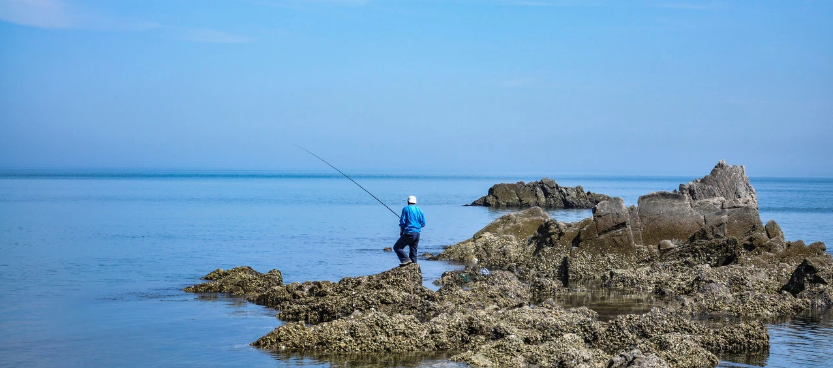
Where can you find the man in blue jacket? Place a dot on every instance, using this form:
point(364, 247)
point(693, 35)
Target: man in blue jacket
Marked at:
point(411, 223)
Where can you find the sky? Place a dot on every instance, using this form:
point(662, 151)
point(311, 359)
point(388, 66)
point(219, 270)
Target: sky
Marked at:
point(459, 86)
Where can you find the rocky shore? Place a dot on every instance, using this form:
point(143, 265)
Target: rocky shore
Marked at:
point(702, 249)
point(545, 193)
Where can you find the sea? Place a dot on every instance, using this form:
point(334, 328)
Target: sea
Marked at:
point(92, 262)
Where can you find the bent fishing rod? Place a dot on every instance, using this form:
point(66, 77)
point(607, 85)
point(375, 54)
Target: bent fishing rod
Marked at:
point(351, 179)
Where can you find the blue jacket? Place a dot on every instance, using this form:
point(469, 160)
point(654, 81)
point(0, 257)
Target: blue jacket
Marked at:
point(412, 220)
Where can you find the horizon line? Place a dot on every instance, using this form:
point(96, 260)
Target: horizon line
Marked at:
point(10, 172)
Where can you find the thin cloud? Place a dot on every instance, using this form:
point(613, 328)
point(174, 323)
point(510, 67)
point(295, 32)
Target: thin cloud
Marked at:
point(37, 13)
point(58, 14)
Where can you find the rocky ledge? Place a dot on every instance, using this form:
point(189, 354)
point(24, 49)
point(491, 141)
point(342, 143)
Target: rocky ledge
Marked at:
point(545, 193)
point(701, 249)
point(493, 321)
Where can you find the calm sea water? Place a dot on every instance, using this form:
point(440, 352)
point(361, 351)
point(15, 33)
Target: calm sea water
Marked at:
point(92, 263)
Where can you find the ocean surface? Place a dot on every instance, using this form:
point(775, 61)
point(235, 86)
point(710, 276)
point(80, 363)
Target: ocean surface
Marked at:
point(93, 262)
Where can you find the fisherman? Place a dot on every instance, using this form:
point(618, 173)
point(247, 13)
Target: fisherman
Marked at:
point(411, 223)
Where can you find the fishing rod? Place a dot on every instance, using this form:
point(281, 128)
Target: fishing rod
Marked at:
point(351, 179)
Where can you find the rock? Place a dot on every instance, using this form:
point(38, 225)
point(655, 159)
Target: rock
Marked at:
point(503, 242)
point(635, 359)
point(796, 244)
point(521, 225)
point(678, 350)
point(667, 215)
point(610, 215)
point(773, 230)
point(610, 232)
point(701, 251)
point(387, 249)
point(720, 205)
point(723, 233)
point(237, 271)
point(717, 207)
point(817, 247)
point(725, 181)
point(239, 280)
point(398, 290)
point(804, 275)
point(545, 193)
point(369, 331)
point(800, 250)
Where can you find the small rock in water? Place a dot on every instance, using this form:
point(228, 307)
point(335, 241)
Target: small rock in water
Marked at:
point(387, 249)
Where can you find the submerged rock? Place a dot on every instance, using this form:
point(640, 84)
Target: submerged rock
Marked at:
point(545, 193)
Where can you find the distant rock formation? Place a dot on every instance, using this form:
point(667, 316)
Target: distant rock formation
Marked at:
point(545, 193)
point(703, 247)
point(718, 208)
point(720, 205)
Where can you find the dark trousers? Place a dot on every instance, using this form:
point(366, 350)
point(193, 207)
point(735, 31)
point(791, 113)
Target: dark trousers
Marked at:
point(410, 240)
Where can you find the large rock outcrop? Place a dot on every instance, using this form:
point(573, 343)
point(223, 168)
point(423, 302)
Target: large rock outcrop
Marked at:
point(722, 204)
point(545, 193)
point(702, 246)
point(719, 206)
point(701, 250)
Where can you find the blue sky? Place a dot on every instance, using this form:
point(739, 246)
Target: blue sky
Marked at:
point(557, 87)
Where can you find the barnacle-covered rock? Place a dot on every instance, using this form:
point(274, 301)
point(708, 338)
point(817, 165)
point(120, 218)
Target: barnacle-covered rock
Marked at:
point(702, 250)
point(398, 290)
point(239, 280)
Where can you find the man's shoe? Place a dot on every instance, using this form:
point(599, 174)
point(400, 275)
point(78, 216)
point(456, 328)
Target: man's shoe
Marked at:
point(405, 263)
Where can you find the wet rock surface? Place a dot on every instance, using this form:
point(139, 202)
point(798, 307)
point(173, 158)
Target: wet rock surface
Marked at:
point(544, 193)
point(239, 281)
point(702, 250)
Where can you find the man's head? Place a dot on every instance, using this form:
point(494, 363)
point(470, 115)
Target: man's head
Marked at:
point(411, 200)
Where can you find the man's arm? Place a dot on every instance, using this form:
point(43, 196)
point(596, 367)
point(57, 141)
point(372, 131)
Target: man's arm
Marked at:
point(402, 221)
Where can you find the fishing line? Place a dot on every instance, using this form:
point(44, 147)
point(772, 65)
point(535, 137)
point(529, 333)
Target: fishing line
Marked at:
point(351, 179)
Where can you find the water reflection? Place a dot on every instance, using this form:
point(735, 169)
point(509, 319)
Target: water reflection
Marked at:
point(608, 303)
point(802, 340)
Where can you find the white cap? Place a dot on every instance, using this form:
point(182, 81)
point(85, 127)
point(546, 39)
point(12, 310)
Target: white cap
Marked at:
point(412, 199)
